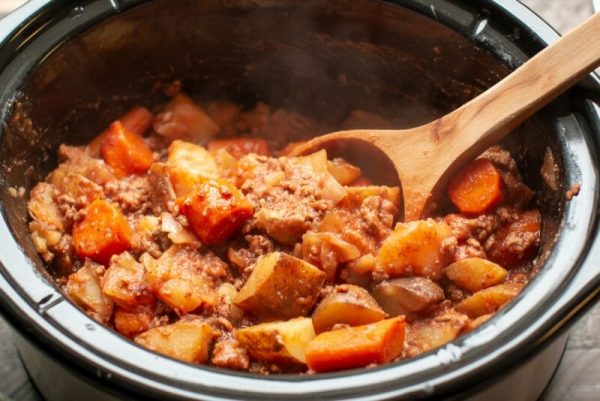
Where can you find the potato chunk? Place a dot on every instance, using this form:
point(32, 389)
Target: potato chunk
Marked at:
point(425, 335)
point(83, 288)
point(184, 119)
point(131, 322)
point(187, 341)
point(327, 251)
point(474, 274)
point(358, 194)
point(354, 347)
point(316, 164)
point(124, 282)
point(188, 164)
point(184, 278)
point(489, 300)
point(280, 287)
point(43, 208)
point(407, 295)
point(344, 172)
point(279, 342)
point(347, 304)
point(414, 248)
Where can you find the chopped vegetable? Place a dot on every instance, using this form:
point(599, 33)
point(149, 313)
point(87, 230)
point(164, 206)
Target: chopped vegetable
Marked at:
point(477, 188)
point(407, 295)
point(489, 299)
point(83, 288)
point(188, 165)
point(427, 334)
point(354, 347)
point(239, 147)
point(123, 281)
point(184, 119)
point(327, 251)
point(125, 151)
point(43, 209)
point(102, 233)
point(132, 322)
point(179, 277)
point(414, 248)
point(137, 121)
point(280, 342)
point(215, 210)
point(188, 341)
point(344, 172)
point(280, 287)
point(347, 304)
point(474, 274)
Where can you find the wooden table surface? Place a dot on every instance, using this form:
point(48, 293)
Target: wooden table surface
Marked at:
point(578, 376)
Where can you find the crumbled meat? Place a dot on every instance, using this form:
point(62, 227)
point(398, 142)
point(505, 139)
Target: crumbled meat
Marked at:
point(132, 193)
point(228, 353)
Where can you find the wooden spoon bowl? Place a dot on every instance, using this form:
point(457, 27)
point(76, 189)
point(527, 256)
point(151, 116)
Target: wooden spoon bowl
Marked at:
point(425, 157)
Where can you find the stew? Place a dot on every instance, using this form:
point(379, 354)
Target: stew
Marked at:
point(189, 231)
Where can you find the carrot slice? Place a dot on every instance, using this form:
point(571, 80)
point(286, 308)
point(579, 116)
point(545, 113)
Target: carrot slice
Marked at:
point(215, 210)
point(102, 233)
point(137, 121)
point(477, 188)
point(239, 147)
point(358, 346)
point(125, 151)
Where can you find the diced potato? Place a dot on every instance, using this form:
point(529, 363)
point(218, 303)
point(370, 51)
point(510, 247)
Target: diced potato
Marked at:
point(43, 208)
point(474, 274)
point(124, 282)
point(188, 164)
point(359, 271)
point(188, 341)
point(225, 161)
point(184, 119)
point(215, 210)
point(102, 233)
point(179, 277)
point(78, 161)
point(178, 234)
point(407, 295)
point(283, 224)
point(131, 322)
point(279, 342)
point(317, 165)
point(327, 251)
point(239, 147)
point(347, 304)
point(125, 151)
point(414, 248)
point(344, 172)
point(425, 335)
point(280, 287)
point(489, 300)
point(354, 347)
point(83, 288)
point(77, 187)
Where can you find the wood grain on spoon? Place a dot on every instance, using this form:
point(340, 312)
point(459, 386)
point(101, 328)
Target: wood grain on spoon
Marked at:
point(426, 156)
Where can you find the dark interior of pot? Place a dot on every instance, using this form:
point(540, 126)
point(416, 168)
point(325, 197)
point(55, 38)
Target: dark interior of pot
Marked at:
point(322, 59)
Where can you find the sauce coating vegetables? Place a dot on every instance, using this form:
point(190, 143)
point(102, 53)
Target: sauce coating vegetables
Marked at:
point(188, 230)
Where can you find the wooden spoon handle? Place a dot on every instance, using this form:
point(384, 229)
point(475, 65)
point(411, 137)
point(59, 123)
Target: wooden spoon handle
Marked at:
point(486, 119)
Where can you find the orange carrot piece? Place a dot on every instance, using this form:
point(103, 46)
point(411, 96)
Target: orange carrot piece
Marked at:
point(477, 188)
point(137, 121)
point(102, 233)
point(125, 151)
point(215, 210)
point(509, 253)
point(239, 147)
point(354, 347)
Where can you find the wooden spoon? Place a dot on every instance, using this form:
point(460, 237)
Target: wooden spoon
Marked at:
point(426, 156)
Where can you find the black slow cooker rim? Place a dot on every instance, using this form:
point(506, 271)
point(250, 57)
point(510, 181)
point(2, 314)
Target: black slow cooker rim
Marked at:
point(33, 321)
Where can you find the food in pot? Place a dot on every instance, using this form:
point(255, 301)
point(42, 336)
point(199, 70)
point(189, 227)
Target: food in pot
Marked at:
point(191, 232)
